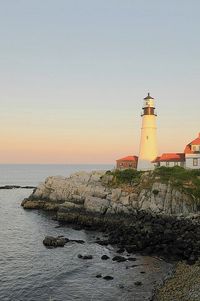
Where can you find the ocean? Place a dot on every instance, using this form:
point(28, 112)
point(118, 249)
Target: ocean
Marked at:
point(31, 272)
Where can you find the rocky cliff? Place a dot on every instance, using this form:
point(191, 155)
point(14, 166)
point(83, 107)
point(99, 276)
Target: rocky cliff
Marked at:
point(138, 210)
point(95, 192)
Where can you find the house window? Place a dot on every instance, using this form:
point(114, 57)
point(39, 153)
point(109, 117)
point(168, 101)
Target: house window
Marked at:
point(167, 164)
point(175, 163)
point(195, 162)
point(196, 148)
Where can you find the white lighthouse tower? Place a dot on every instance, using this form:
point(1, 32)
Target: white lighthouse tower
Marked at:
point(148, 142)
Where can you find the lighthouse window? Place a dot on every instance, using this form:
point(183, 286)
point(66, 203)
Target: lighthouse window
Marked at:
point(147, 137)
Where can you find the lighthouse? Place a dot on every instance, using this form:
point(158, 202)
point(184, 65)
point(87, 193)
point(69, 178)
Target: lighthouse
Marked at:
point(148, 141)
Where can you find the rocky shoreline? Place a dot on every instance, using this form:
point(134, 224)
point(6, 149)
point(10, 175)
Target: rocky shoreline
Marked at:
point(87, 200)
point(95, 192)
point(183, 285)
point(150, 219)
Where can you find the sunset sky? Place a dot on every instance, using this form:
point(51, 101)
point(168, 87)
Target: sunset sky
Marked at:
point(73, 75)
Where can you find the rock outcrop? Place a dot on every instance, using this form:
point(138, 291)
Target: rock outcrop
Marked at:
point(92, 192)
point(59, 241)
point(146, 216)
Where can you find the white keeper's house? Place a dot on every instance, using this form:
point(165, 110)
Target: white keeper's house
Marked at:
point(192, 154)
point(189, 159)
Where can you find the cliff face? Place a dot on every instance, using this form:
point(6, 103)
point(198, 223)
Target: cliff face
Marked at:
point(93, 192)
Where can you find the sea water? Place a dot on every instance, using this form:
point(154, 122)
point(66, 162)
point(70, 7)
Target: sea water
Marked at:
point(31, 272)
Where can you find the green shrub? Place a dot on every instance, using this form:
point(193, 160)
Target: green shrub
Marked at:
point(126, 176)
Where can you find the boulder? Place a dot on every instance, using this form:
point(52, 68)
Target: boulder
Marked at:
point(55, 242)
point(95, 204)
point(119, 258)
point(108, 277)
point(105, 257)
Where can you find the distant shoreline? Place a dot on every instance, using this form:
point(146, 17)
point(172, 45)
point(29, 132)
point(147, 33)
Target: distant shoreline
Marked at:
point(16, 187)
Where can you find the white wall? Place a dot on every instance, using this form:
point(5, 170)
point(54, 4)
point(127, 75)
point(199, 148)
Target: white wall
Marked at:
point(172, 164)
point(189, 161)
point(148, 143)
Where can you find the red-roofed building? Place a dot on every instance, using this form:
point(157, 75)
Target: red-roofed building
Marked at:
point(192, 154)
point(189, 159)
point(170, 160)
point(127, 162)
point(193, 147)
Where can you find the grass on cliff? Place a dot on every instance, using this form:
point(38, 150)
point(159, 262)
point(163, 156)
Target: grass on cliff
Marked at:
point(187, 180)
point(126, 176)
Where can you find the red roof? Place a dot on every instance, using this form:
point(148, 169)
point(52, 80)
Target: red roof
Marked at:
point(195, 141)
point(157, 159)
point(188, 148)
point(129, 158)
point(170, 157)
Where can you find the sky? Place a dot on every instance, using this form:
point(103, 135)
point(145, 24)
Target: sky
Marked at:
point(73, 75)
